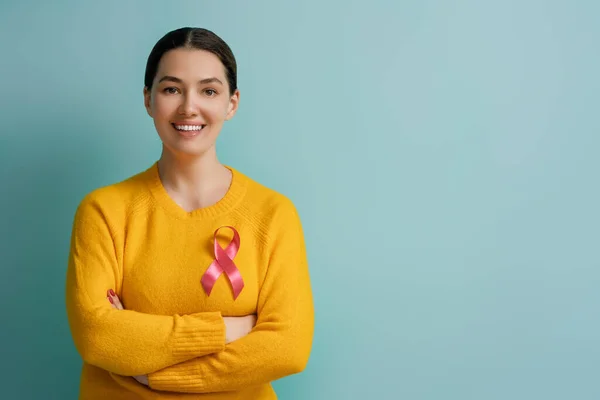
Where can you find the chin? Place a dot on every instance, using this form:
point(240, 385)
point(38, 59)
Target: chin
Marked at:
point(188, 149)
point(183, 145)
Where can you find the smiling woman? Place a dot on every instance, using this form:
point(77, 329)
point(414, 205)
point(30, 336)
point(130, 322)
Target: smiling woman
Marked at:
point(188, 279)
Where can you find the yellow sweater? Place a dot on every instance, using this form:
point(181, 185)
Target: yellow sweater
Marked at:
point(133, 238)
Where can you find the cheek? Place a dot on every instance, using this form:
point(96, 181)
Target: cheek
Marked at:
point(164, 107)
point(220, 109)
point(211, 112)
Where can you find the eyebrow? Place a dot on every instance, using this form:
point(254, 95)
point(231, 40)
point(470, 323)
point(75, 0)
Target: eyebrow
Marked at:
point(177, 80)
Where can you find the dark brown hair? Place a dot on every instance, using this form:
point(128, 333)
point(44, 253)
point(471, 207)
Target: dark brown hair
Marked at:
point(192, 38)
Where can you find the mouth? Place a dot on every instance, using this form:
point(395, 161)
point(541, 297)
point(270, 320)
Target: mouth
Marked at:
point(188, 130)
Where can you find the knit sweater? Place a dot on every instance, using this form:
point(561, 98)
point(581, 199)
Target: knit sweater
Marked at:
point(132, 237)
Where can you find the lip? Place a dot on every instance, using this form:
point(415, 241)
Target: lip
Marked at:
point(187, 123)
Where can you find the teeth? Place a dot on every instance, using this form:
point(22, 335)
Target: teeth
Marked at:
point(189, 127)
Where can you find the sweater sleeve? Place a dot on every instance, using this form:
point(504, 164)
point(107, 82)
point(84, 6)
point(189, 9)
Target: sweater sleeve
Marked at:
point(124, 342)
point(280, 343)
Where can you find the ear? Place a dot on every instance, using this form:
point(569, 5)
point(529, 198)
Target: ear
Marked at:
point(234, 101)
point(147, 101)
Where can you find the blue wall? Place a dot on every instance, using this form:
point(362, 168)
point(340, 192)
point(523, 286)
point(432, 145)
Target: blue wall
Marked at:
point(443, 155)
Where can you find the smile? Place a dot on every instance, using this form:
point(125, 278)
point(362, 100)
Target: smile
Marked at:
point(188, 128)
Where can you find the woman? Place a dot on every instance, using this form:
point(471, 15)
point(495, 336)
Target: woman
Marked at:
point(189, 279)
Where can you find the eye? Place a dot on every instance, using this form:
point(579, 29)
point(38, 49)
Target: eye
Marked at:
point(210, 92)
point(171, 90)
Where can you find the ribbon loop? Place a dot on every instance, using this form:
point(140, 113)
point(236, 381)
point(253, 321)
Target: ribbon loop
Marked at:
point(223, 263)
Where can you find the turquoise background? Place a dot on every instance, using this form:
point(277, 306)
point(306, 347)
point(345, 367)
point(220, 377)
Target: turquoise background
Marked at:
point(443, 156)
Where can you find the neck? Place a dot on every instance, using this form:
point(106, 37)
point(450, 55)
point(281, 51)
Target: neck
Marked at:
point(194, 181)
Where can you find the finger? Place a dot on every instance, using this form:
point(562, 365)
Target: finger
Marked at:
point(114, 300)
point(118, 303)
point(109, 298)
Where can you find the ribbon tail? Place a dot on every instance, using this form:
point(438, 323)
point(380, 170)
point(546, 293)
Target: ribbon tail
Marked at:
point(237, 283)
point(210, 277)
point(233, 273)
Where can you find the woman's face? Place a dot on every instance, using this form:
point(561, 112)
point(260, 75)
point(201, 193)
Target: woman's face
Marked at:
point(189, 101)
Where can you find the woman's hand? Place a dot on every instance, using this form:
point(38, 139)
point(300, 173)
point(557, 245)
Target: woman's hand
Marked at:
point(116, 303)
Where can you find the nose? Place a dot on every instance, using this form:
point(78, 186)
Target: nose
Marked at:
point(189, 105)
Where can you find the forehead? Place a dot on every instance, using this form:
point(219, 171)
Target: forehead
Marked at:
point(190, 64)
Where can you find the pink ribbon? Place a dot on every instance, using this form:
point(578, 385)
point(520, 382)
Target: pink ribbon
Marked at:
point(223, 262)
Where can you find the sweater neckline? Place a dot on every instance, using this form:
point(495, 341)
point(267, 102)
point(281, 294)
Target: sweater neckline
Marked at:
point(234, 194)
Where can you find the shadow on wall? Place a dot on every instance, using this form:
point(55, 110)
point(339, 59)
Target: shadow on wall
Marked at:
point(47, 166)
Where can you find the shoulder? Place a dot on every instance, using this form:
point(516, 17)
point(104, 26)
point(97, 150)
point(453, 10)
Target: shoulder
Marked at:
point(269, 210)
point(115, 200)
point(265, 199)
point(275, 217)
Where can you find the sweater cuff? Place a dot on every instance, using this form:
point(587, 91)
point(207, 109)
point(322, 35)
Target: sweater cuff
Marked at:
point(198, 334)
point(178, 378)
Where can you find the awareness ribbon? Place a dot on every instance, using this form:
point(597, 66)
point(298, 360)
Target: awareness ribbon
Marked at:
point(223, 262)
